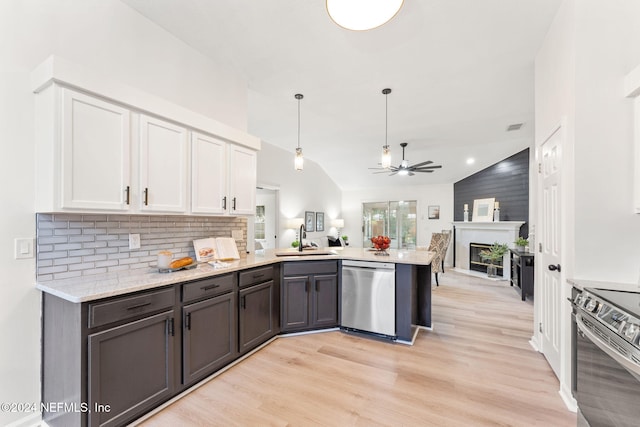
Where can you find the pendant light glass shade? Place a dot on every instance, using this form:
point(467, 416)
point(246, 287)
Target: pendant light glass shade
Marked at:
point(299, 159)
point(360, 15)
point(386, 157)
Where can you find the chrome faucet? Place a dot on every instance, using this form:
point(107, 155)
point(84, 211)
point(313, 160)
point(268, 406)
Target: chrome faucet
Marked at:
point(302, 230)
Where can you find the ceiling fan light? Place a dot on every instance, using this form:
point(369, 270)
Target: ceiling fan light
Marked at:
point(360, 15)
point(299, 159)
point(386, 157)
point(403, 172)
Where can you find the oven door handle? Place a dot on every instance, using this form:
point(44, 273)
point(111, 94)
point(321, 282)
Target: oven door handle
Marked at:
point(629, 365)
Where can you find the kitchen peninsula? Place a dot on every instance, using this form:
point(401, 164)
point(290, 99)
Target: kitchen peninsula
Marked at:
point(157, 334)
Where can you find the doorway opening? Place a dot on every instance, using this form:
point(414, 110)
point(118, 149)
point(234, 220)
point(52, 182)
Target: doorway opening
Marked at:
point(265, 225)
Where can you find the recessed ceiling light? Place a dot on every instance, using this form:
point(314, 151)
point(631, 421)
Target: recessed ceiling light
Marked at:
point(471, 161)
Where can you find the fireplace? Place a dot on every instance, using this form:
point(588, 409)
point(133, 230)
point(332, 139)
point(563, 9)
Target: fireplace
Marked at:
point(477, 263)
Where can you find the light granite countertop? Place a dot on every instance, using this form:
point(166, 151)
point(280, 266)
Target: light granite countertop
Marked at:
point(89, 288)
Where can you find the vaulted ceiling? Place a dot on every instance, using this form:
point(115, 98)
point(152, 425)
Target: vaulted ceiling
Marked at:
point(461, 72)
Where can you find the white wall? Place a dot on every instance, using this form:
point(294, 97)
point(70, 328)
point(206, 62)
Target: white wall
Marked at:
point(580, 69)
point(108, 36)
point(308, 190)
point(425, 195)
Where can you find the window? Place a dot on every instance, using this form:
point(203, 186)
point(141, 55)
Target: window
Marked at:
point(396, 219)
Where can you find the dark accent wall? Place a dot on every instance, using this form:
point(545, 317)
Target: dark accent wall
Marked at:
point(507, 181)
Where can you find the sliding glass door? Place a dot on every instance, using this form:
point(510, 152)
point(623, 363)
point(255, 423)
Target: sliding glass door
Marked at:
point(394, 219)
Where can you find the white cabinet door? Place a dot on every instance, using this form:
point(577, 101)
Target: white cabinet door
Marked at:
point(208, 174)
point(95, 159)
point(242, 175)
point(163, 166)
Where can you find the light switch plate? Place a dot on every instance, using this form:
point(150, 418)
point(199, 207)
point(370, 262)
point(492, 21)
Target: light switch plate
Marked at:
point(24, 248)
point(237, 234)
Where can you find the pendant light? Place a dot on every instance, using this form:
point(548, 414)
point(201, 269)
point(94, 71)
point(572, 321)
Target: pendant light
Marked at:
point(386, 151)
point(360, 15)
point(299, 160)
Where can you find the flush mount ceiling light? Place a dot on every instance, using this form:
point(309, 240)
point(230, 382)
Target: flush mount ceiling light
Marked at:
point(360, 15)
point(299, 160)
point(386, 151)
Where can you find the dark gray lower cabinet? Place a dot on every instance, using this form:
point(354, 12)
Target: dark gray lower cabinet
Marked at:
point(130, 369)
point(208, 337)
point(257, 322)
point(310, 295)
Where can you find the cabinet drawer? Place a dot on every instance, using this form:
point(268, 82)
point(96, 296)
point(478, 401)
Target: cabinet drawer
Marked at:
point(208, 287)
point(123, 308)
point(310, 267)
point(255, 276)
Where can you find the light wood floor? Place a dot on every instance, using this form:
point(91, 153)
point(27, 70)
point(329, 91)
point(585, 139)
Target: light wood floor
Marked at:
point(476, 368)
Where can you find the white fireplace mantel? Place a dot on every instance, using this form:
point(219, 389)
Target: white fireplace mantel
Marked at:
point(484, 232)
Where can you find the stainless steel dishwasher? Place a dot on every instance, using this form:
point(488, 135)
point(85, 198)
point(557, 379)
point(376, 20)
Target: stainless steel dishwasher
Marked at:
point(369, 297)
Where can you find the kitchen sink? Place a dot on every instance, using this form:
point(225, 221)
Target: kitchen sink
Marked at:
point(305, 252)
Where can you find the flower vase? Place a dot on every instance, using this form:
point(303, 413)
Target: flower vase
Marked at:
point(492, 271)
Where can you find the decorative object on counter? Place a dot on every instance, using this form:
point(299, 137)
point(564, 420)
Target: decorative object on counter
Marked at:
point(483, 210)
point(299, 159)
point(466, 212)
point(521, 243)
point(164, 259)
point(496, 212)
point(381, 244)
point(345, 238)
point(295, 243)
point(434, 212)
point(185, 263)
point(309, 222)
point(362, 15)
point(218, 248)
point(494, 254)
point(319, 221)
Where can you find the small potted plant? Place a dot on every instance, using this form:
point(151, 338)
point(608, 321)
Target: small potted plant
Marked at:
point(521, 243)
point(345, 239)
point(295, 244)
point(493, 255)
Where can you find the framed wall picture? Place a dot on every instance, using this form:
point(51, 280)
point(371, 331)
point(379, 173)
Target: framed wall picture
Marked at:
point(434, 212)
point(309, 221)
point(319, 221)
point(483, 210)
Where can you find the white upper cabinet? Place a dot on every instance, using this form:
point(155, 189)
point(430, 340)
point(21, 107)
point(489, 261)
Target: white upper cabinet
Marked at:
point(208, 174)
point(96, 144)
point(163, 166)
point(242, 176)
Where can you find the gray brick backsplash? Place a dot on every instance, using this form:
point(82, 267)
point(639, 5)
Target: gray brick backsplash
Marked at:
point(75, 245)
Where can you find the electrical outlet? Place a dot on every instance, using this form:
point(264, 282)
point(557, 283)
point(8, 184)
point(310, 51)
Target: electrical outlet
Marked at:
point(134, 241)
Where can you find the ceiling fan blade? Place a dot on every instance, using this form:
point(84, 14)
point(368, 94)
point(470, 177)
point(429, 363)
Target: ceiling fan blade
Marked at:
point(393, 173)
point(411, 173)
point(417, 165)
point(384, 171)
point(377, 168)
point(424, 168)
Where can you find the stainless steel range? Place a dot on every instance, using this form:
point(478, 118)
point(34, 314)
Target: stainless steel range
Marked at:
point(608, 358)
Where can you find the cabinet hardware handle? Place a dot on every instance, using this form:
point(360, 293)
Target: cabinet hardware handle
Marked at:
point(243, 302)
point(234, 204)
point(171, 331)
point(206, 288)
point(187, 321)
point(224, 203)
point(146, 196)
point(126, 191)
point(135, 307)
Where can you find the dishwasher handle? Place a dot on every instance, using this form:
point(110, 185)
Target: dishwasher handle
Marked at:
point(373, 265)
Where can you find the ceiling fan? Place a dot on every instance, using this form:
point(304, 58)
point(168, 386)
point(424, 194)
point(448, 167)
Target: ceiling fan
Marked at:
point(405, 169)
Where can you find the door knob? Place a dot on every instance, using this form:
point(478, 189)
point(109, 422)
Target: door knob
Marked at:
point(554, 267)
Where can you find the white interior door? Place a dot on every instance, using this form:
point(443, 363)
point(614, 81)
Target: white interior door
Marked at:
point(550, 291)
